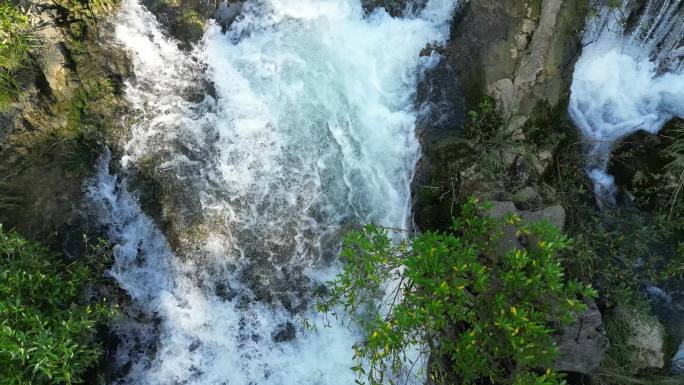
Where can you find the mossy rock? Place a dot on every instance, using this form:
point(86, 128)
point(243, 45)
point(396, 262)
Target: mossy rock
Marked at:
point(183, 19)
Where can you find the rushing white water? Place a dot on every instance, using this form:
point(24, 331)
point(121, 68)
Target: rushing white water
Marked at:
point(630, 77)
point(202, 338)
point(311, 126)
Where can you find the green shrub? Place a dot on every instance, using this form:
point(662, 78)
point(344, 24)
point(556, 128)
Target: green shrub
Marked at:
point(47, 328)
point(481, 315)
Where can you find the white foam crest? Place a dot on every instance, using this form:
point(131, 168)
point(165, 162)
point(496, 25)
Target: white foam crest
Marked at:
point(164, 75)
point(312, 127)
point(625, 82)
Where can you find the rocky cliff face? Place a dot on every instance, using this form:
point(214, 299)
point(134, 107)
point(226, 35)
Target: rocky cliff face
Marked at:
point(68, 105)
point(520, 55)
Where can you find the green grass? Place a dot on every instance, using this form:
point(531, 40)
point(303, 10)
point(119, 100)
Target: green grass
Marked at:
point(16, 42)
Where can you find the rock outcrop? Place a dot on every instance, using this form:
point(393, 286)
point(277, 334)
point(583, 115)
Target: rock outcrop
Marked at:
point(68, 104)
point(584, 344)
point(554, 214)
point(646, 339)
point(521, 55)
point(184, 19)
point(510, 239)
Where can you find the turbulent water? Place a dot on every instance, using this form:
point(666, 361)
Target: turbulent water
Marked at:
point(268, 140)
point(630, 77)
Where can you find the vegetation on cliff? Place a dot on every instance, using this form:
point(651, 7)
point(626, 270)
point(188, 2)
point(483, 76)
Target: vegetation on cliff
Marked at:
point(59, 100)
point(15, 44)
point(633, 253)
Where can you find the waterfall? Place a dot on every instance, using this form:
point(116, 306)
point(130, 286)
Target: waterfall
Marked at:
point(308, 127)
point(630, 77)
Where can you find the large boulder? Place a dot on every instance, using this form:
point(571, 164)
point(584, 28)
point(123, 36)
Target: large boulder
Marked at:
point(510, 240)
point(582, 345)
point(646, 337)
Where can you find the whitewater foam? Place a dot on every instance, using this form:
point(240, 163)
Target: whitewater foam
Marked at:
point(627, 80)
point(311, 127)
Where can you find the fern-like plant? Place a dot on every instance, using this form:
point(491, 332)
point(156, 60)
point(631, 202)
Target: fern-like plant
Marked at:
point(47, 327)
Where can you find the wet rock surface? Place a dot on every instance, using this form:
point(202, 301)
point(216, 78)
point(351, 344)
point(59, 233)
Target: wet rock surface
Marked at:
point(184, 19)
point(678, 361)
point(227, 12)
point(395, 8)
point(285, 332)
point(441, 101)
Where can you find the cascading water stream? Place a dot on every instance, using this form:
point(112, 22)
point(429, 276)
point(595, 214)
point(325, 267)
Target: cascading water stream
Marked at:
point(310, 127)
point(630, 77)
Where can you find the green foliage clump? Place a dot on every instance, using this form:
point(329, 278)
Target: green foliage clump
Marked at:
point(47, 327)
point(482, 315)
point(15, 45)
point(14, 39)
